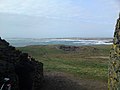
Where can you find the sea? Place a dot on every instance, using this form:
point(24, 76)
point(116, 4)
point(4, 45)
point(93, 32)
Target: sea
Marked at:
point(21, 42)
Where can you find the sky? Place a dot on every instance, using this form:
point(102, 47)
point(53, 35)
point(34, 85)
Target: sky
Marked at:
point(58, 18)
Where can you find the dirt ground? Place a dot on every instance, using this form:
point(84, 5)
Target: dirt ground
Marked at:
point(62, 81)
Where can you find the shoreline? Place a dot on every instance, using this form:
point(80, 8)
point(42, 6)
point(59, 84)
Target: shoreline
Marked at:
point(21, 42)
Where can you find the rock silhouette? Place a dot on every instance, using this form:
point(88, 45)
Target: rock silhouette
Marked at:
point(8, 58)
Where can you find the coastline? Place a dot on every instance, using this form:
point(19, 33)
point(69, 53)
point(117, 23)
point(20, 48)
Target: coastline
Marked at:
point(21, 42)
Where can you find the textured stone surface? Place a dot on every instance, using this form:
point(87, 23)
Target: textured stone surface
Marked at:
point(114, 63)
point(8, 58)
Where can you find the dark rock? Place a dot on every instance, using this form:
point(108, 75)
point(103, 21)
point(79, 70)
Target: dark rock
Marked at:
point(8, 58)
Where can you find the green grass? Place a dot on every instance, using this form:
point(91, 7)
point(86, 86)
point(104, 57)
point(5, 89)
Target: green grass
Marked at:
point(89, 62)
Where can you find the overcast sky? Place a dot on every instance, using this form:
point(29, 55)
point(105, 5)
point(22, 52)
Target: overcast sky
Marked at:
point(58, 18)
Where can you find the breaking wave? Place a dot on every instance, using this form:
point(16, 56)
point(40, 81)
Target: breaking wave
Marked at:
point(20, 42)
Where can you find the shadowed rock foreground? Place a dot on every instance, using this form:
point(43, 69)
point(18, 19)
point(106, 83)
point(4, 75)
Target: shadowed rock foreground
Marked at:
point(8, 58)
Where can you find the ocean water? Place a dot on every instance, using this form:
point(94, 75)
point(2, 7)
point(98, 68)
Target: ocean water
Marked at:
point(21, 42)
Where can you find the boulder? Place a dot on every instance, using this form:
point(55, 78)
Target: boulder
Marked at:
point(8, 58)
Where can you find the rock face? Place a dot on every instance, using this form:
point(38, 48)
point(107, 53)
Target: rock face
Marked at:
point(8, 58)
point(114, 62)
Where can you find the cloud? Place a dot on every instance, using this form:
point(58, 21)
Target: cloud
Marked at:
point(60, 9)
point(40, 7)
point(46, 18)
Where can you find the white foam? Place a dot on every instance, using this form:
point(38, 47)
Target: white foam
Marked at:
point(29, 41)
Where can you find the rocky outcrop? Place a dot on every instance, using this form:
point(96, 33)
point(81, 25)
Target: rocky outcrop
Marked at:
point(8, 58)
point(114, 62)
point(68, 48)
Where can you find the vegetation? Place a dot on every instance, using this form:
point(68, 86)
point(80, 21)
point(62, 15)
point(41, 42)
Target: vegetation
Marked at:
point(88, 62)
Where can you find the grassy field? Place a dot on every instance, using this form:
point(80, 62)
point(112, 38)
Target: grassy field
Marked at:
point(88, 62)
